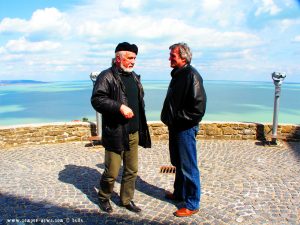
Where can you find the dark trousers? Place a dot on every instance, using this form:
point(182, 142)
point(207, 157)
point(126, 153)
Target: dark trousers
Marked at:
point(130, 168)
point(183, 155)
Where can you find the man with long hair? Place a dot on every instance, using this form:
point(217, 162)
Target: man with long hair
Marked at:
point(183, 109)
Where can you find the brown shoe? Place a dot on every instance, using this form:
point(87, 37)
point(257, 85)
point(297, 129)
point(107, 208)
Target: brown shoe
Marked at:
point(184, 212)
point(169, 195)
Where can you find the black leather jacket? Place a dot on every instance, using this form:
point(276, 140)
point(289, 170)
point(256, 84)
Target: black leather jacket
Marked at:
point(185, 102)
point(107, 97)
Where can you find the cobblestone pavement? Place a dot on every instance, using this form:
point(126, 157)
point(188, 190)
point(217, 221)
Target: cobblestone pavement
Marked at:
point(243, 182)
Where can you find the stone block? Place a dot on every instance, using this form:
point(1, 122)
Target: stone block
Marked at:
point(36, 139)
point(164, 137)
point(228, 131)
point(54, 133)
point(159, 132)
point(227, 137)
point(248, 137)
point(155, 138)
point(248, 132)
point(74, 139)
point(213, 130)
point(201, 132)
point(287, 129)
point(156, 125)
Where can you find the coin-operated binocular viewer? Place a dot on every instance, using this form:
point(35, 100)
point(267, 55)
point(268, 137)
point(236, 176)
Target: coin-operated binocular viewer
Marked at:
point(93, 77)
point(277, 79)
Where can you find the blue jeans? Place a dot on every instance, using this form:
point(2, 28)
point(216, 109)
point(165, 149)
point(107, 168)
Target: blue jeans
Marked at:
point(183, 154)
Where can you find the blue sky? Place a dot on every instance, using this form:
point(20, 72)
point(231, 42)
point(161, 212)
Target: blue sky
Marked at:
point(52, 40)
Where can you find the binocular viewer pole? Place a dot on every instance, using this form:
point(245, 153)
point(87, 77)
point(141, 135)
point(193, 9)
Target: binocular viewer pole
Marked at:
point(277, 79)
point(93, 77)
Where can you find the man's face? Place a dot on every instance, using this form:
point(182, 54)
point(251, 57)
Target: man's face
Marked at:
point(175, 60)
point(127, 61)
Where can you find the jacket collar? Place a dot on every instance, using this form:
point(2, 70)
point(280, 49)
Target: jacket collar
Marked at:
point(117, 73)
point(176, 71)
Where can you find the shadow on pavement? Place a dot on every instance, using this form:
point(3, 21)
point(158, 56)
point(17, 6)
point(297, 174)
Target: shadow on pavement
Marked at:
point(142, 186)
point(292, 140)
point(83, 178)
point(87, 181)
point(150, 190)
point(262, 136)
point(293, 144)
point(18, 210)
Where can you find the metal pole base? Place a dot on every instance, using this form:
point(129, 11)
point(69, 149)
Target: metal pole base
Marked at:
point(273, 141)
point(95, 140)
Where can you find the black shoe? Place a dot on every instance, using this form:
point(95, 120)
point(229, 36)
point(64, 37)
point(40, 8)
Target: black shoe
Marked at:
point(172, 197)
point(132, 207)
point(105, 205)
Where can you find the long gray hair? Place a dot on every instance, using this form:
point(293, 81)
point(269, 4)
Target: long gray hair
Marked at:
point(184, 51)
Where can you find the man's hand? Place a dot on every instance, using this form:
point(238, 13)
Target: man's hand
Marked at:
point(126, 111)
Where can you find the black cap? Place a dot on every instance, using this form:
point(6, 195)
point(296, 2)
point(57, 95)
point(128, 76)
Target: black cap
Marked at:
point(125, 46)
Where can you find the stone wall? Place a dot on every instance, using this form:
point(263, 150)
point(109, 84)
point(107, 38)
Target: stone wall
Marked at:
point(45, 133)
point(81, 131)
point(233, 131)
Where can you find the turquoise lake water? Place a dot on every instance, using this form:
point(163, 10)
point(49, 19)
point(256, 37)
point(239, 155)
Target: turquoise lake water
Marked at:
point(227, 101)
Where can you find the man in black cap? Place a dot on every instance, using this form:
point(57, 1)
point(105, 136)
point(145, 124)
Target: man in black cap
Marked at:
point(118, 95)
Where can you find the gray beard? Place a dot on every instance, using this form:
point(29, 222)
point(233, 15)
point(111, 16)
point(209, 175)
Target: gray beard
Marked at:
point(128, 70)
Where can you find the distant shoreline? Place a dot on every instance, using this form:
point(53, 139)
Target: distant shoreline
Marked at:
point(19, 82)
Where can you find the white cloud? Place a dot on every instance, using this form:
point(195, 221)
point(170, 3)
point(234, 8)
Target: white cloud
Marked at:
point(211, 4)
point(91, 28)
point(13, 25)
point(207, 37)
point(11, 57)
point(22, 45)
point(225, 14)
point(147, 28)
point(2, 50)
point(225, 34)
point(297, 38)
point(267, 6)
point(245, 54)
point(288, 23)
point(289, 3)
point(48, 20)
point(95, 10)
point(131, 4)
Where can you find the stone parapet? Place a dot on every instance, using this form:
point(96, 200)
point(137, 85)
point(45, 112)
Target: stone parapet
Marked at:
point(81, 131)
point(232, 131)
point(36, 134)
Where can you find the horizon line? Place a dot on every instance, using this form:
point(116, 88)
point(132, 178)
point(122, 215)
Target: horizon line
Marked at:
point(44, 81)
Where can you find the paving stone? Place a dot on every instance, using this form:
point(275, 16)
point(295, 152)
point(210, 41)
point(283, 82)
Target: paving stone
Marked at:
point(243, 182)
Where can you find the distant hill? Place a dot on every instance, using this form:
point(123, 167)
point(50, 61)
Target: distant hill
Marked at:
point(11, 82)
